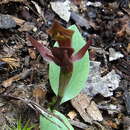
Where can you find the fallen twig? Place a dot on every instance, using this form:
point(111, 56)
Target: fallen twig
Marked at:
point(78, 124)
point(36, 107)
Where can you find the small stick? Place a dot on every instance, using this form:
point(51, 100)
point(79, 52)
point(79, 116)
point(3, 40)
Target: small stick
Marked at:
point(78, 124)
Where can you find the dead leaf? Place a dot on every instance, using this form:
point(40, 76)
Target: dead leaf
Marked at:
point(111, 124)
point(18, 20)
point(12, 62)
point(125, 27)
point(17, 77)
point(121, 33)
point(39, 93)
point(32, 53)
point(86, 108)
point(128, 48)
point(24, 26)
point(9, 81)
point(72, 115)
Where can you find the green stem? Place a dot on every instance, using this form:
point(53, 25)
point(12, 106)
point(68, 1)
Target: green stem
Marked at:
point(63, 82)
point(57, 103)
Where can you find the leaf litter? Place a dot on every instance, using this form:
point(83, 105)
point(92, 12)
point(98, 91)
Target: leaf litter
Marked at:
point(111, 26)
point(101, 85)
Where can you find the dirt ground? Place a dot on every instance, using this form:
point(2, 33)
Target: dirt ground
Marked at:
point(24, 73)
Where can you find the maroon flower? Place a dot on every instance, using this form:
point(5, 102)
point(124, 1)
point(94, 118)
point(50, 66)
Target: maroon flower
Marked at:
point(62, 56)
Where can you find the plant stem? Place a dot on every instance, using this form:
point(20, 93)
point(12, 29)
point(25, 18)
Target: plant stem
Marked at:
point(57, 103)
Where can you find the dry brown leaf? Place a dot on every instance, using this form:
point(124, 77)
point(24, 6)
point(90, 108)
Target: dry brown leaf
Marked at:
point(72, 115)
point(125, 22)
point(27, 26)
point(18, 20)
point(121, 33)
point(24, 26)
point(12, 62)
point(17, 77)
point(128, 48)
point(32, 53)
point(39, 93)
point(9, 81)
point(111, 124)
point(86, 108)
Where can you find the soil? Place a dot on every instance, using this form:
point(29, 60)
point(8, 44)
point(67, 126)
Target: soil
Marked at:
point(24, 73)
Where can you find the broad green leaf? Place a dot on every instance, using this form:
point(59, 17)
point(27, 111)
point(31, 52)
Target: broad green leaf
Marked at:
point(80, 72)
point(55, 124)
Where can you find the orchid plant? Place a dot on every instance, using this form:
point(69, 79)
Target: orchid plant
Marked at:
point(63, 55)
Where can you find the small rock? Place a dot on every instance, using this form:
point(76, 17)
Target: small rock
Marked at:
point(103, 85)
point(92, 14)
point(6, 22)
point(128, 48)
point(114, 55)
point(62, 9)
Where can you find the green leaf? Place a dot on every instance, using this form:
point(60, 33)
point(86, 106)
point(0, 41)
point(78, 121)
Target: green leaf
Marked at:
point(20, 126)
point(55, 124)
point(80, 72)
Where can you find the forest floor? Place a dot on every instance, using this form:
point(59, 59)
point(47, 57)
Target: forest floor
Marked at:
point(24, 73)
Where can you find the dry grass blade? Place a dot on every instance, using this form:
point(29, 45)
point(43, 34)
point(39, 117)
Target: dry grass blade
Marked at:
point(8, 82)
point(12, 62)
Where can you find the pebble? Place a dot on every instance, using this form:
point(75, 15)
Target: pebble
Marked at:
point(6, 22)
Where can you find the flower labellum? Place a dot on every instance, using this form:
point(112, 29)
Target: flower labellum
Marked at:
point(60, 34)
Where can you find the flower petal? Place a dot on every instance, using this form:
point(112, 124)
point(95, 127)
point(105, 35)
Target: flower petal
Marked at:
point(44, 51)
point(61, 34)
point(81, 52)
point(62, 57)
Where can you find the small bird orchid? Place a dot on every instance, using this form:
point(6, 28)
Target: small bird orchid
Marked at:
point(63, 55)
